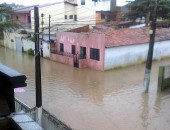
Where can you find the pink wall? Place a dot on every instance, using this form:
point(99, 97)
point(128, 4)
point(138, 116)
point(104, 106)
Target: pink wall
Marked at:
point(22, 17)
point(88, 40)
point(62, 59)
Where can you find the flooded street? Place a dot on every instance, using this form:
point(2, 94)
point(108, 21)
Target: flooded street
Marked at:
point(91, 100)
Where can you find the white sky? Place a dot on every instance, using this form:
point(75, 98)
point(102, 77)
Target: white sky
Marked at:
point(40, 2)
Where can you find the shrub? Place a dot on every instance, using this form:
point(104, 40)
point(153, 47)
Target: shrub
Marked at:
point(30, 51)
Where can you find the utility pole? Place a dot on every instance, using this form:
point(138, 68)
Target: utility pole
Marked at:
point(151, 47)
point(42, 23)
point(37, 68)
point(49, 28)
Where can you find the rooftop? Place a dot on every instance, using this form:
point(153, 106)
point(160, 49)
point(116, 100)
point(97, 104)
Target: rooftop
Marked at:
point(26, 9)
point(129, 36)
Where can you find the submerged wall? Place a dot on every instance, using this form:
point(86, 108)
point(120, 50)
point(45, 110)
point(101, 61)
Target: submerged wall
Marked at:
point(134, 54)
point(21, 43)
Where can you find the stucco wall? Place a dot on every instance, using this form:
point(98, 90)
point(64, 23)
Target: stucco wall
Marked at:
point(9, 40)
point(134, 54)
point(62, 59)
point(46, 49)
point(26, 44)
point(55, 10)
point(86, 16)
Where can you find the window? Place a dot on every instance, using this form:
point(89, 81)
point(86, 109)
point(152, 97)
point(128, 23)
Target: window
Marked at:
point(73, 49)
point(82, 2)
point(65, 16)
point(71, 17)
point(82, 52)
point(75, 17)
point(61, 47)
point(102, 16)
point(94, 54)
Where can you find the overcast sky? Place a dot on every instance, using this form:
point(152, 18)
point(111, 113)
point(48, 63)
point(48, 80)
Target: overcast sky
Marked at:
point(39, 2)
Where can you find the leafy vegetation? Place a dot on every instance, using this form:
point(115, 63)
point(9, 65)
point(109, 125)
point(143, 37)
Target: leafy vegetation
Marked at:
point(142, 8)
point(6, 22)
point(30, 51)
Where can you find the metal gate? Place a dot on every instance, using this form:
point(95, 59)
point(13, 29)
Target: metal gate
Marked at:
point(18, 43)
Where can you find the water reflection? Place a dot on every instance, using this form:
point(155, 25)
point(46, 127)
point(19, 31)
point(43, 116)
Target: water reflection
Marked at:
point(91, 100)
point(145, 111)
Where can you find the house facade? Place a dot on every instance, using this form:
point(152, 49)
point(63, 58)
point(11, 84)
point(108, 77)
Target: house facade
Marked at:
point(79, 50)
point(105, 49)
point(64, 15)
point(24, 16)
point(105, 9)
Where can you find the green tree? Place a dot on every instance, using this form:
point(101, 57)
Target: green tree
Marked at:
point(140, 8)
point(6, 22)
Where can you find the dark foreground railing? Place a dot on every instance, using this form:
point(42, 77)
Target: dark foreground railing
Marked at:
point(9, 118)
point(9, 79)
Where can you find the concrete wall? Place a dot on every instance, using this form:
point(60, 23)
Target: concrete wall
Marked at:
point(134, 54)
point(27, 44)
point(46, 50)
point(62, 59)
point(9, 42)
point(55, 10)
point(83, 40)
point(86, 16)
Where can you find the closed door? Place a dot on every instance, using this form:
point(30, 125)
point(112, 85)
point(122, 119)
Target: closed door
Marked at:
point(18, 43)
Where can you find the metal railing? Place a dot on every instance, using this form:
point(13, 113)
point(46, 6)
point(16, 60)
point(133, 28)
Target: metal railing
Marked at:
point(68, 54)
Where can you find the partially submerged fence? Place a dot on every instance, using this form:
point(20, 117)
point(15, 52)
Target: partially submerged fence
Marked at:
point(163, 77)
point(49, 122)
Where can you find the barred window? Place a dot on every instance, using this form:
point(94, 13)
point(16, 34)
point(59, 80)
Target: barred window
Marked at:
point(61, 47)
point(95, 54)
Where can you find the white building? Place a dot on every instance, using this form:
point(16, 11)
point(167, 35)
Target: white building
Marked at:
point(65, 12)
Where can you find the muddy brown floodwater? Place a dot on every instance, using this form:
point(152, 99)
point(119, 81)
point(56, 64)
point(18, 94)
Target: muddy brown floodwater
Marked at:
point(90, 100)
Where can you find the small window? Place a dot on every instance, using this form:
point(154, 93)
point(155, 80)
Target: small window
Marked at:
point(95, 54)
point(17, 17)
point(65, 16)
point(82, 2)
point(75, 17)
point(61, 47)
point(71, 17)
point(83, 52)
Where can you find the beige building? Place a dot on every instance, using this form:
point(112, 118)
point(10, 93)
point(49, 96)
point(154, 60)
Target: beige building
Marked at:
point(65, 12)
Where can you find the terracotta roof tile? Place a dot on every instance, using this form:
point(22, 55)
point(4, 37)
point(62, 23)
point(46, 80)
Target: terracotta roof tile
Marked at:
point(128, 36)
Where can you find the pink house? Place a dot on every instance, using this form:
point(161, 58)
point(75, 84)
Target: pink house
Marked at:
point(79, 50)
point(24, 16)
